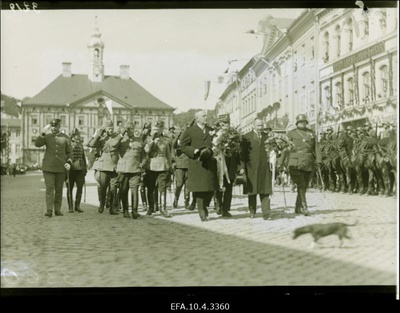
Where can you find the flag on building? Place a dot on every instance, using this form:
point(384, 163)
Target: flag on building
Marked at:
point(207, 89)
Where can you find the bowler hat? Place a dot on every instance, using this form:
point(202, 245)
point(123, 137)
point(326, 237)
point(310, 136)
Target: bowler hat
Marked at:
point(205, 153)
point(55, 122)
point(301, 118)
point(241, 179)
point(172, 128)
point(160, 124)
point(129, 125)
point(110, 123)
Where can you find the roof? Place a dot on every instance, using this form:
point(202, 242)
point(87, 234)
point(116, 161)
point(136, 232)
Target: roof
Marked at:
point(70, 90)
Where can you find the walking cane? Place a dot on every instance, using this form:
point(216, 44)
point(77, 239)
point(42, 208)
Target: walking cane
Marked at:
point(69, 190)
point(84, 192)
point(322, 181)
point(283, 189)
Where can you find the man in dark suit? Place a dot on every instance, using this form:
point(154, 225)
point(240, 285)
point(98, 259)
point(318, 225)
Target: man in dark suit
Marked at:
point(56, 161)
point(196, 143)
point(255, 163)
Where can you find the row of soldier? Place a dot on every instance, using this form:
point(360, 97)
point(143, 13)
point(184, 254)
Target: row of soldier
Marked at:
point(360, 159)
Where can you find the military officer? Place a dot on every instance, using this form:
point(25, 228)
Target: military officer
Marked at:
point(130, 164)
point(56, 161)
point(180, 163)
point(300, 160)
point(105, 165)
point(77, 173)
point(158, 147)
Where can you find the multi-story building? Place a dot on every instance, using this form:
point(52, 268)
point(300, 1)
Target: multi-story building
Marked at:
point(85, 102)
point(337, 66)
point(11, 139)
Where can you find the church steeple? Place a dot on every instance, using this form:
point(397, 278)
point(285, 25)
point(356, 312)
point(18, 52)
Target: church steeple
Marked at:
point(96, 49)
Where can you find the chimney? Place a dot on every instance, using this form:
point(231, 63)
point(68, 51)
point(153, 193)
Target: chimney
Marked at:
point(66, 66)
point(124, 71)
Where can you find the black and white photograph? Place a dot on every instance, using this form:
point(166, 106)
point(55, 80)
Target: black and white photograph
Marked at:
point(208, 145)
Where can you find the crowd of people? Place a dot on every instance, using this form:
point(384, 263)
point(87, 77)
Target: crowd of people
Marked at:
point(203, 160)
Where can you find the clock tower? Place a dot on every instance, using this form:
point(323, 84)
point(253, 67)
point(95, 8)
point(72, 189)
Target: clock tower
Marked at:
point(96, 49)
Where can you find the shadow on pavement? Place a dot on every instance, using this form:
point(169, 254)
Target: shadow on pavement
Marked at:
point(102, 250)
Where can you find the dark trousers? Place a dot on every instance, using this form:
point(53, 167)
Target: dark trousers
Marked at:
point(105, 179)
point(181, 176)
point(156, 182)
point(78, 178)
point(265, 204)
point(129, 181)
point(54, 188)
point(203, 199)
point(301, 179)
point(224, 199)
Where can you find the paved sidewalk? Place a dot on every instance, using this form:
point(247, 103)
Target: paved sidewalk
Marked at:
point(102, 250)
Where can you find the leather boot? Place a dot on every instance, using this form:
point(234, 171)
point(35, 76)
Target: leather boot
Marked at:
point(266, 207)
point(175, 204)
point(108, 198)
point(135, 204)
point(69, 200)
point(187, 203)
point(78, 203)
point(297, 208)
point(101, 199)
point(304, 208)
point(114, 210)
point(144, 198)
point(163, 204)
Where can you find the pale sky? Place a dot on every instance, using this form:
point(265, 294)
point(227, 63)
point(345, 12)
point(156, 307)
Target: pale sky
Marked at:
point(170, 52)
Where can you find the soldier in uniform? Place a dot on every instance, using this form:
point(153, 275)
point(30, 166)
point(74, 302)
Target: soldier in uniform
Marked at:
point(180, 163)
point(301, 160)
point(77, 173)
point(130, 164)
point(108, 142)
point(158, 147)
point(56, 161)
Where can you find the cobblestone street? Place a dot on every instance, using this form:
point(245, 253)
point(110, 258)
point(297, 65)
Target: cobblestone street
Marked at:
point(101, 250)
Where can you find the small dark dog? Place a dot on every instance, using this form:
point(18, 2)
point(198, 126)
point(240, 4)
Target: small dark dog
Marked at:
point(323, 230)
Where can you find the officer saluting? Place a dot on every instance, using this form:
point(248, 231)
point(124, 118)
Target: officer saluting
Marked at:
point(300, 160)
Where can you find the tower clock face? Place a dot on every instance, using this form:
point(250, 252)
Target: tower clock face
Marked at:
point(97, 70)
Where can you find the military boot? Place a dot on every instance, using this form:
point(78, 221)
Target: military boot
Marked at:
point(114, 209)
point(78, 203)
point(163, 204)
point(304, 208)
point(135, 204)
point(70, 203)
point(101, 199)
point(297, 208)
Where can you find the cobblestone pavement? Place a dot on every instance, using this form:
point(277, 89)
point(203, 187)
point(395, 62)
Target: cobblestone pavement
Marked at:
point(101, 250)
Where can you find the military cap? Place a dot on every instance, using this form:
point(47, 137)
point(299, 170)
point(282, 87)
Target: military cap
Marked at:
point(160, 124)
point(147, 126)
point(74, 133)
point(267, 129)
point(330, 130)
point(359, 129)
point(224, 118)
point(301, 118)
point(110, 123)
point(368, 125)
point(55, 122)
point(205, 154)
point(129, 125)
point(172, 128)
point(350, 129)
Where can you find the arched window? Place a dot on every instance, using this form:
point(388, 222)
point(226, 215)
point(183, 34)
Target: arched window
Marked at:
point(350, 91)
point(325, 45)
point(348, 31)
point(384, 86)
point(366, 87)
point(338, 96)
point(338, 40)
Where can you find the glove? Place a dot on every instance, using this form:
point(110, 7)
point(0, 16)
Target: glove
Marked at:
point(45, 129)
point(67, 166)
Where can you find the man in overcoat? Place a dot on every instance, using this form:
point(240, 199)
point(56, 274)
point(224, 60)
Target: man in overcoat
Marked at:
point(56, 161)
point(255, 163)
point(196, 143)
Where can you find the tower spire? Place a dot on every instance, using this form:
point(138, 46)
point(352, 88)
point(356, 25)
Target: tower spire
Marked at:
point(96, 48)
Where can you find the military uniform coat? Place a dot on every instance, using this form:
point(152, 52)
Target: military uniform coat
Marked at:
point(109, 146)
point(58, 151)
point(255, 162)
point(159, 154)
point(305, 152)
point(202, 176)
point(132, 156)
